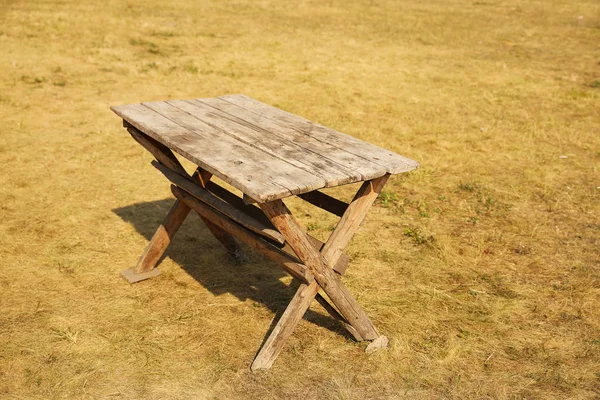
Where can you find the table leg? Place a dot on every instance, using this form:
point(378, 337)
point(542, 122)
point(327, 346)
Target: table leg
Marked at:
point(158, 244)
point(320, 264)
point(285, 326)
point(228, 241)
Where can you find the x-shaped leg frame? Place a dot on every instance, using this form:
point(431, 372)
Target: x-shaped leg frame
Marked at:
point(161, 239)
point(320, 264)
point(314, 263)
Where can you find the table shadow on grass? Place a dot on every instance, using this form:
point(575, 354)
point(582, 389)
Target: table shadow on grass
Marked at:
point(200, 255)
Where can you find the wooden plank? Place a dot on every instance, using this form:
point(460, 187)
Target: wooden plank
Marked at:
point(295, 179)
point(161, 152)
point(325, 202)
point(336, 315)
point(285, 326)
point(224, 157)
point(231, 245)
point(328, 157)
point(130, 276)
point(392, 162)
point(232, 212)
point(287, 153)
point(328, 280)
point(341, 265)
point(257, 214)
point(238, 203)
point(162, 238)
point(352, 218)
point(293, 152)
point(290, 264)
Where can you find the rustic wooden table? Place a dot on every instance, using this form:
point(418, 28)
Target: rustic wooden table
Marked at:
point(268, 154)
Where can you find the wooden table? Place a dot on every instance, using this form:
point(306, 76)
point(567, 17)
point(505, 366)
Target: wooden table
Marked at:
point(268, 154)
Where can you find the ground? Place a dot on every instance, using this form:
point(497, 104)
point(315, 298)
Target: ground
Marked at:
point(482, 266)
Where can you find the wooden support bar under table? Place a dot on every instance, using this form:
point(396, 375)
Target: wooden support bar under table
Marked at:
point(232, 212)
point(325, 202)
point(290, 264)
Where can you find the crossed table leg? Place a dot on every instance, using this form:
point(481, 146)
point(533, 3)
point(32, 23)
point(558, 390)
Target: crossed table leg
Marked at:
point(314, 264)
point(320, 265)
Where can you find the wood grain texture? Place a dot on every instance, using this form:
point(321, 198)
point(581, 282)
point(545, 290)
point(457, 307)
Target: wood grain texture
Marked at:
point(162, 237)
point(288, 151)
point(221, 157)
point(352, 218)
point(232, 212)
point(340, 266)
point(336, 161)
point(327, 279)
point(264, 152)
point(261, 166)
point(336, 315)
point(325, 202)
point(391, 162)
point(161, 152)
point(289, 263)
point(285, 326)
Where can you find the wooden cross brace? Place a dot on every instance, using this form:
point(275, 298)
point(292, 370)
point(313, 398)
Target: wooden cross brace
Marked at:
point(275, 233)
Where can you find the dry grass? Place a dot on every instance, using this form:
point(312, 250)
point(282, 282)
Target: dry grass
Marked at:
point(482, 267)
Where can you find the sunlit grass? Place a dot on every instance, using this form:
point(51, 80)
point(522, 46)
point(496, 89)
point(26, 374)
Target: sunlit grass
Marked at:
point(482, 267)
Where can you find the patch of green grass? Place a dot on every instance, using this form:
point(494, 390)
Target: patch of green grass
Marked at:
point(148, 46)
point(594, 84)
point(418, 236)
point(387, 199)
point(149, 67)
point(190, 67)
point(468, 186)
point(32, 80)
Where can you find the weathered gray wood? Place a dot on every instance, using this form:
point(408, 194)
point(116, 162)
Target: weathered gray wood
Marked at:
point(392, 162)
point(336, 315)
point(285, 326)
point(352, 315)
point(325, 202)
point(293, 178)
point(227, 240)
point(335, 165)
point(161, 152)
point(163, 235)
point(352, 218)
point(355, 168)
point(288, 151)
point(289, 263)
point(262, 176)
point(328, 280)
point(232, 212)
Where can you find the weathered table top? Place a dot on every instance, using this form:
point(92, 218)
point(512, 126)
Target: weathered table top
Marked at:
point(265, 152)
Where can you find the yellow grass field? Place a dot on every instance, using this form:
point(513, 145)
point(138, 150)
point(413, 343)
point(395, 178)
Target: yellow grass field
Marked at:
point(482, 266)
